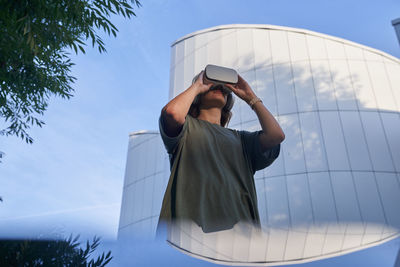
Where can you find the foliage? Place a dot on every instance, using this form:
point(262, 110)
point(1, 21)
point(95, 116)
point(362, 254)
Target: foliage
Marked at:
point(35, 37)
point(50, 253)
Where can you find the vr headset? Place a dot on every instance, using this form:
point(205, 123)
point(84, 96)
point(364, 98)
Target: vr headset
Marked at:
point(220, 75)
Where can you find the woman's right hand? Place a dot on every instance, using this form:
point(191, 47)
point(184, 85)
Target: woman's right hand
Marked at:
point(200, 85)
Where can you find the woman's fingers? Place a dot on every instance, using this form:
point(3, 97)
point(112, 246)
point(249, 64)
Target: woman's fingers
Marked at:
point(242, 82)
point(200, 78)
point(242, 91)
point(200, 84)
point(230, 86)
point(233, 88)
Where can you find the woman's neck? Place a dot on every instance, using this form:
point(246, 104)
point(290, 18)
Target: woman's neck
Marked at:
point(212, 115)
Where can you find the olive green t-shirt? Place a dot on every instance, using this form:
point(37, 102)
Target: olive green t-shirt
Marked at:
point(212, 175)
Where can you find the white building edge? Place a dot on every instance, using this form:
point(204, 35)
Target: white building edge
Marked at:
point(334, 189)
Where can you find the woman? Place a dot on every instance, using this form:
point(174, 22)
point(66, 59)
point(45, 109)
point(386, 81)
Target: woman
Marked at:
point(212, 167)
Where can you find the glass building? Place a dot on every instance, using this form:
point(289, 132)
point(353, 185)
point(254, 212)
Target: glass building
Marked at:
point(335, 187)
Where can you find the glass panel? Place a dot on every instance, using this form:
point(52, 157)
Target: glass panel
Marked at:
point(343, 85)
point(189, 46)
point(197, 239)
point(381, 87)
point(140, 163)
point(180, 51)
point(209, 245)
point(171, 83)
point(262, 201)
point(200, 40)
point(393, 72)
point(259, 174)
point(348, 211)
point(279, 47)
point(284, 88)
point(154, 222)
point(179, 78)
point(276, 244)
point(229, 53)
point(372, 56)
point(123, 219)
point(355, 141)
point(129, 192)
point(377, 145)
point(214, 49)
point(388, 59)
point(266, 89)
point(316, 47)
point(322, 198)
point(391, 122)
point(241, 244)
point(200, 59)
point(138, 196)
point(150, 164)
point(313, 245)
point(235, 120)
point(335, 49)
point(262, 48)
point(370, 203)
point(148, 197)
point(389, 188)
point(147, 229)
point(245, 52)
point(334, 239)
point(301, 213)
point(276, 168)
point(292, 148)
point(214, 35)
point(334, 141)
point(173, 57)
point(129, 168)
point(247, 114)
point(188, 71)
point(362, 85)
point(158, 195)
point(295, 245)
point(258, 246)
point(186, 238)
point(160, 154)
point(353, 236)
point(323, 85)
point(304, 86)
point(174, 235)
point(277, 202)
point(297, 46)
point(353, 52)
point(345, 197)
point(314, 149)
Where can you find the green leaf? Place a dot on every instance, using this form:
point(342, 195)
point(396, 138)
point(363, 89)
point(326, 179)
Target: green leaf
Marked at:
point(81, 48)
point(75, 48)
point(40, 37)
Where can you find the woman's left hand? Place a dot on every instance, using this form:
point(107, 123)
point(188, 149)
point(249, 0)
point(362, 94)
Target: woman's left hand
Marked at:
point(242, 89)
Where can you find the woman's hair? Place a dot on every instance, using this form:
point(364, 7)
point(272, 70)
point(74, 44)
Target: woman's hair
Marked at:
point(226, 113)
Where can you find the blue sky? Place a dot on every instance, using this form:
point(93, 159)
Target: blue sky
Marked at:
point(70, 179)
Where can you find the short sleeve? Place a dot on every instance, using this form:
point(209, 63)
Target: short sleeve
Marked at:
point(252, 147)
point(171, 143)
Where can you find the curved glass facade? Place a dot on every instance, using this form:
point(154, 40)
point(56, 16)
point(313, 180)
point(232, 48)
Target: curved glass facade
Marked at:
point(335, 187)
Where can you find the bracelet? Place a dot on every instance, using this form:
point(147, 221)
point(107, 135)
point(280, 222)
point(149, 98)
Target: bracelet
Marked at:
point(253, 101)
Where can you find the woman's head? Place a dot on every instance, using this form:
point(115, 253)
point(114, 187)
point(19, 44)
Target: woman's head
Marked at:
point(198, 102)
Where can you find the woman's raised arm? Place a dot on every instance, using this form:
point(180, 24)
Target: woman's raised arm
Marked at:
point(272, 133)
point(174, 113)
